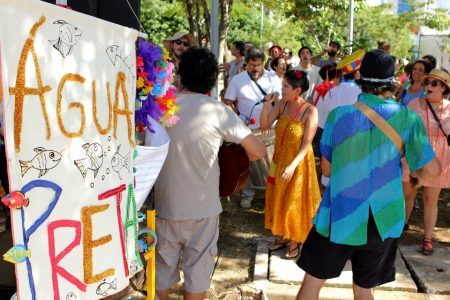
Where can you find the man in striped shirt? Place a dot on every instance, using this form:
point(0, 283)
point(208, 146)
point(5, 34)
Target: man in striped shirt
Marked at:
point(362, 212)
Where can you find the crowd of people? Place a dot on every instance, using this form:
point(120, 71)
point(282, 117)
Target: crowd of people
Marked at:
point(378, 139)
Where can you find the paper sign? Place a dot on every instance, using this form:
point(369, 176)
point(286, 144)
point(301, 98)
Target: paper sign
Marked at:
point(150, 160)
point(69, 89)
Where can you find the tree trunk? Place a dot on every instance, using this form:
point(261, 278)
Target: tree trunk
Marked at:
point(225, 8)
point(207, 17)
point(191, 17)
point(198, 22)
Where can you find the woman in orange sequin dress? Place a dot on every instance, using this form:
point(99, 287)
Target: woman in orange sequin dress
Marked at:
point(292, 192)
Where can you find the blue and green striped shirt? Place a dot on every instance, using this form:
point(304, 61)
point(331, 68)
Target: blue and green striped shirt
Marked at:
point(366, 170)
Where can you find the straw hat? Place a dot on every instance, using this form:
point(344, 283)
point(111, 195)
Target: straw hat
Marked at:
point(168, 41)
point(439, 75)
point(351, 63)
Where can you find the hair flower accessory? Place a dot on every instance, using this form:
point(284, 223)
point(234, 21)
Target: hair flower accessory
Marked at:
point(298, 74)
point(155, 96)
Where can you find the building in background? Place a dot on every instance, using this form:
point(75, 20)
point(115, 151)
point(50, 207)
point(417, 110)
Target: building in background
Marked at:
point(427, 41)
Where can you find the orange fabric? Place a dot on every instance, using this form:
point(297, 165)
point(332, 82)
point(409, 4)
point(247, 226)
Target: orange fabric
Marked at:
point(291, 206)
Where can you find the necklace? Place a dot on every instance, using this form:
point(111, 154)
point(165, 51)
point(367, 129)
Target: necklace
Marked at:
point(437, 123)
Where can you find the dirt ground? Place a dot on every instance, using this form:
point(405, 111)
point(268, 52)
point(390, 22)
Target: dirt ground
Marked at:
point(240, 228)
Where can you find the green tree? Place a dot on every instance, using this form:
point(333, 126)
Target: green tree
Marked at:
point(162, 19)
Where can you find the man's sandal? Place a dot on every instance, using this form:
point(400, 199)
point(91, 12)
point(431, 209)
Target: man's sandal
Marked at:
point(427, 247)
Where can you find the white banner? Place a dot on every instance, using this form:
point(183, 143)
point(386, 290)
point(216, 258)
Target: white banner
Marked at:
point(69, 90)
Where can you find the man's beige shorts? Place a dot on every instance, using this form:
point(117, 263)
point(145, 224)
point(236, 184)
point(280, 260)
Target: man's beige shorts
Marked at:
point(196, 242)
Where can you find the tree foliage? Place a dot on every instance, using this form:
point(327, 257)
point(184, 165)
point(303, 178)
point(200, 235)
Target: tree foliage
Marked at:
point(296, 22)
point(162, 19)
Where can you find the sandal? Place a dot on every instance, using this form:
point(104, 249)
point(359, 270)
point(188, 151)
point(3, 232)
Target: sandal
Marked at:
point(427, 247)
point(292, 253)
point(279, 244)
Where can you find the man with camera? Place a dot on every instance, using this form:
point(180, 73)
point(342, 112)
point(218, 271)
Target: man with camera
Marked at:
point(245, 94)
point(333, 50)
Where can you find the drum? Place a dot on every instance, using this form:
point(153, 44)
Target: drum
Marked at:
point(259, 169)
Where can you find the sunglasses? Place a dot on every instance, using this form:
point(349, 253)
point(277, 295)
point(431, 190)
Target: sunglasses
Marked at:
point(434, 83)
point(180, 42)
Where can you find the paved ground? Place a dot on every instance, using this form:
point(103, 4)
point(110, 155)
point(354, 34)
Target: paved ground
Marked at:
point(279, 278)
point(243, 265)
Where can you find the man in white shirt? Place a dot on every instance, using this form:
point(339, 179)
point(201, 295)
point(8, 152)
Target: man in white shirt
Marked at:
point(244, 96)
point(244, 89)
point(305, 65)
point(346, 93)
point(291, 60)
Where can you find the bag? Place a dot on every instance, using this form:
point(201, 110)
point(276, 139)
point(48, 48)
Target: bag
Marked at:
point(439, 122)
point(234, 168)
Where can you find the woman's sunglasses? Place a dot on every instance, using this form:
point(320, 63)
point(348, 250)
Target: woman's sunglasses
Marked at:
point(180, 42)
point(434, 83)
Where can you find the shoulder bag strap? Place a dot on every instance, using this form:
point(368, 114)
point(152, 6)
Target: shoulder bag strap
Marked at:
point(259, 87)
point(381, 123)
point(435, 116)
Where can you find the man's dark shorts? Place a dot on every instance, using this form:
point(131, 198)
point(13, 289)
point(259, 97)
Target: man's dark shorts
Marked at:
point(373, 264)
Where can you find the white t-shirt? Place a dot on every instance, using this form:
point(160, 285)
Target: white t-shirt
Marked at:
point(294, 61)
point(247, 93)
point(313, 78)
point(345, 93)
point(188, 186)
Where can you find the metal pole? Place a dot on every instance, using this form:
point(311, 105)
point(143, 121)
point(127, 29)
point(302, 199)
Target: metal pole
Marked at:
point(350, 25)
point(215, 40)
point(261, 27)
point(215, 27)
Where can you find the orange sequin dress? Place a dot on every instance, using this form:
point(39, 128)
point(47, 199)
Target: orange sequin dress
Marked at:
point(291, 206)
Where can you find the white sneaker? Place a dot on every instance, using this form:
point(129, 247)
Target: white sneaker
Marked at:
point(246, 202)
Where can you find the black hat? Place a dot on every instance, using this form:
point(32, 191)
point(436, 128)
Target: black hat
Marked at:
point(377, 67)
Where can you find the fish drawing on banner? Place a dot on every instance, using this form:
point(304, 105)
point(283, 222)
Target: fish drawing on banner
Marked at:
point(118, 162)
point(15, 200)
point(134, 266)
point(43, 161)
point(105, 286)
point(17, 254)
point(117, 60)
point(71, 296)
point(93, 161)
point(69, 35)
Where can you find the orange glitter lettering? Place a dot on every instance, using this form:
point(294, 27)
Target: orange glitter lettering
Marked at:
point(120, 85)
point(77, 78)
point(20, 90)
point(94, 110)
point(89, 244)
